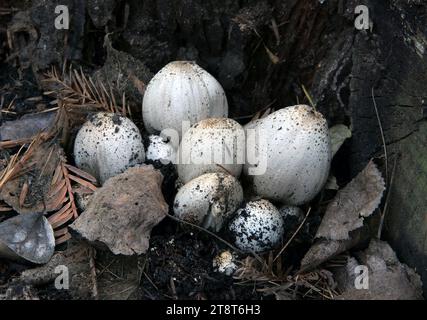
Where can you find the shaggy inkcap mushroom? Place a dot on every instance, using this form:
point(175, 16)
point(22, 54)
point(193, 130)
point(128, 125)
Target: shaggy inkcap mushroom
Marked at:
point(182, 91)
point(208, 200)
point(297, 144)
point(107, 144)
point(160, 149)
point(212, 145)
point(257, 227)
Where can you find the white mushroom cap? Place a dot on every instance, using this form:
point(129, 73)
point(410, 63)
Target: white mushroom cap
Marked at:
point(291, 211)
point(224, 263)
point(297, 144)
point(107, 144)
point(182, 91)
point(257, 227)
point(160, 149)
point(212, 145)
point(208, 200)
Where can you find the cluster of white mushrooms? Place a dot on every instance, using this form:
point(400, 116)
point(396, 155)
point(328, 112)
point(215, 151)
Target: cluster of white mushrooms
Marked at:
point(294, 143)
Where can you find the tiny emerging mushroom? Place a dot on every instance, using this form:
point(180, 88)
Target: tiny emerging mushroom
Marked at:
point(291, 213)
point(107, 144)
point(208, 200)
point(224, 263)
point(182, 91)
point(257, 227)
point(296, 143)
point(160, 149)
point(211, 145)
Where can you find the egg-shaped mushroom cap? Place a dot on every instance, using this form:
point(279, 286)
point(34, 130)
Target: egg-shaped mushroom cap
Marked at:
point(212, 145)
point(257, 227)
point(182, 92)
point(107, 144)
point(208, 200)
point(296, 144)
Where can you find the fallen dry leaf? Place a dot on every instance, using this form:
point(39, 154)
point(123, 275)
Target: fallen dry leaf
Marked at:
point(338, 133)
point(123, 211)
point(341, 226)
point(352, 204)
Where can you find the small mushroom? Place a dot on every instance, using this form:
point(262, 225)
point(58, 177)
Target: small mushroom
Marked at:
point(182, 91)
point(212, 145)
point(160, 149)
point(107, 144)
point(208, 200)
point(297, 146)
point(291, 213)
point(257, 227)
point(224, 263)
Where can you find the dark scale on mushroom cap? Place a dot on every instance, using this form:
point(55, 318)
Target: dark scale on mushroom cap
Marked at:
point(116, 119)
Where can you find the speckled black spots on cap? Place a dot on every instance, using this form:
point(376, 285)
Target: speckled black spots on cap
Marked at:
point(297, 157)
point(212, 145)
point(160, 149)
point(257, 227)
point(103, 147)
point(212, 198)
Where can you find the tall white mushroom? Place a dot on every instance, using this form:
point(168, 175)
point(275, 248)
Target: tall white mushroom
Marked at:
point(107, 144)
point(182, 91)
point(297, 146)
point(212, 145)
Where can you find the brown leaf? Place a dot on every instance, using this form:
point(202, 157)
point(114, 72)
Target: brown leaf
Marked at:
point(342, 226)
point(352, 204)
point(82, 182)
point(81, 173)
point(23, 194)
point(123, 211)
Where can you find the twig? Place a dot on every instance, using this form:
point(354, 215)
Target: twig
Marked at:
point(293, 236)
point(382, 133)
point(92, 267)
point(380, 227)
point(308, 97)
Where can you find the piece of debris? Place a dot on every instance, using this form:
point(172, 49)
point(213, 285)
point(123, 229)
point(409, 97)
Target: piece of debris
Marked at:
point(386, 277)
point(122, 213)
point(123, 74)
point(40, 180)
point(27, 238)
point(224, 263)
point(27, 126)
point(346, 214)
point(19, 293)
point(27, 189)
point(74, 260)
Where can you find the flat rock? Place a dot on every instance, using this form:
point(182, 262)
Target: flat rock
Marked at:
point(122, 213)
